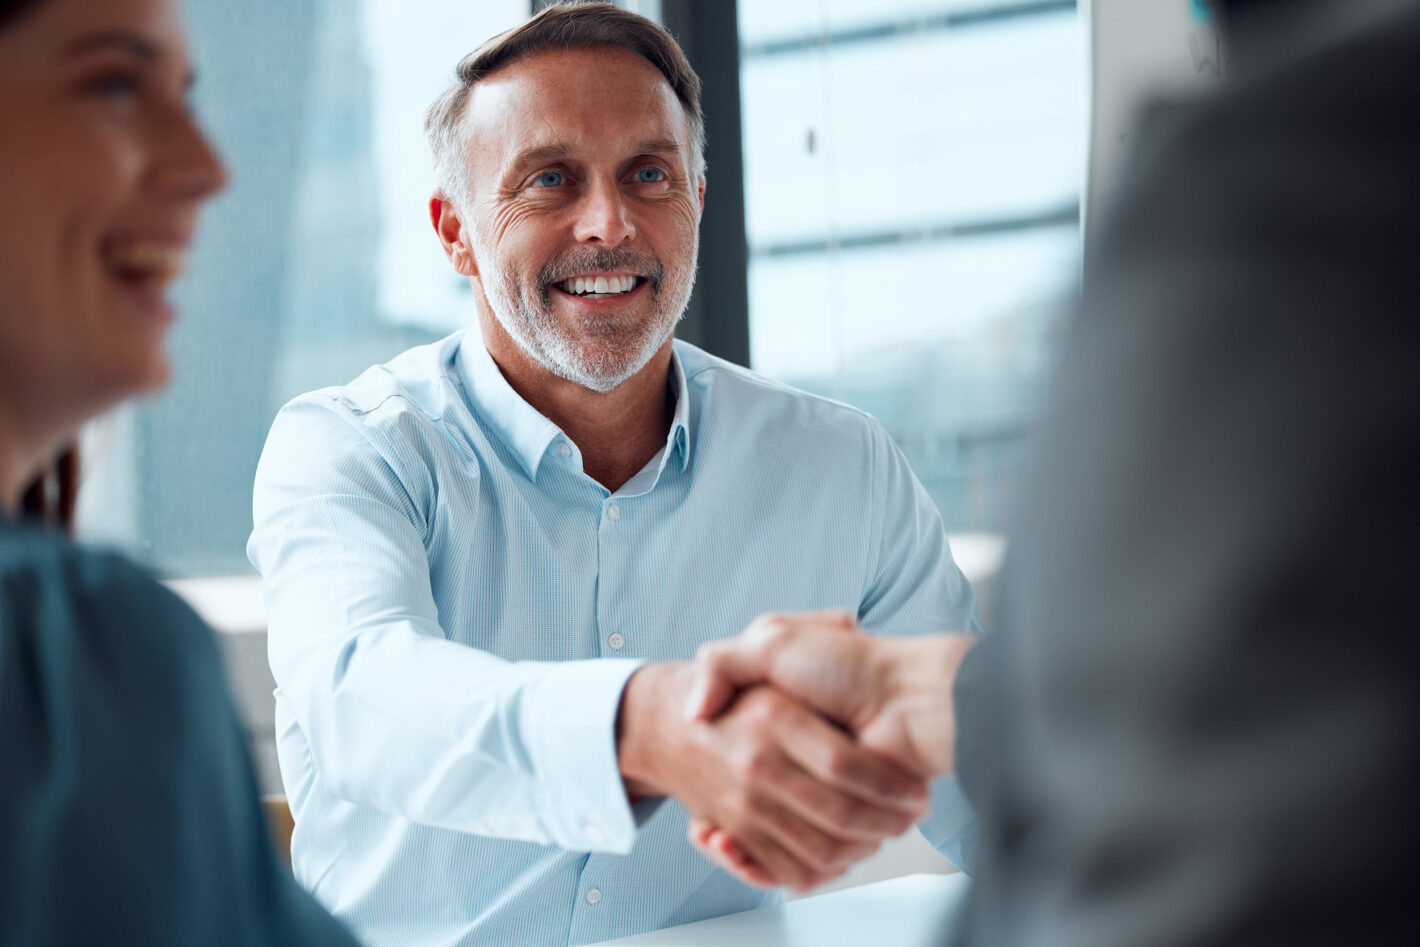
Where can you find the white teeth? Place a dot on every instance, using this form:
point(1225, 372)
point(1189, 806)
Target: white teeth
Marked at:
point(153, 263)
point(599, 285)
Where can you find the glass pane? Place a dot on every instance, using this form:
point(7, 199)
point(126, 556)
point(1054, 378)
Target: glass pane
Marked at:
point(913, 189)
point(318, 261)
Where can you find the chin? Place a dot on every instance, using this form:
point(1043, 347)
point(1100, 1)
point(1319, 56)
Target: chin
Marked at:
point(141, 376)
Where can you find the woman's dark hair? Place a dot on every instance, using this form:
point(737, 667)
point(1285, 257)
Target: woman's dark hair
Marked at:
point(50, 498)
point(12, 10)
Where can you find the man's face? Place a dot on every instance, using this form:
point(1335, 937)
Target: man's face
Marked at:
point(582, 229)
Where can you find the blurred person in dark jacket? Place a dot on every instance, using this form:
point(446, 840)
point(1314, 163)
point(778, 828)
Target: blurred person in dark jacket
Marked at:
point(1198, 720)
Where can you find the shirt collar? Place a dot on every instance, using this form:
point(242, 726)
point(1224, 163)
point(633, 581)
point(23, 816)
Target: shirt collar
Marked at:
point(526, 432)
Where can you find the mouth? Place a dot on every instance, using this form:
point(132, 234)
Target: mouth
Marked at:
point(148, 265)
point(600, 285)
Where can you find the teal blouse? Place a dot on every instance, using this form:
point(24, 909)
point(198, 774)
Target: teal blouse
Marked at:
point(128, 805)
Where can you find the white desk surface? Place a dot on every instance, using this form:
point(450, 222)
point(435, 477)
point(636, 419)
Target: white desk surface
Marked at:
point(912, 911)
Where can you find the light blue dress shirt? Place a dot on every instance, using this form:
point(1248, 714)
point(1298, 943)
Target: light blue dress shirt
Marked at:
point(455, 608)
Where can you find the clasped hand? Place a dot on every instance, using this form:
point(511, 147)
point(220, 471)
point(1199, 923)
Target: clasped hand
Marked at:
point(798, 747)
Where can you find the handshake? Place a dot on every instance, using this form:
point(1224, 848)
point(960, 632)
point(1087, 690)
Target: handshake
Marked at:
point(798, 746)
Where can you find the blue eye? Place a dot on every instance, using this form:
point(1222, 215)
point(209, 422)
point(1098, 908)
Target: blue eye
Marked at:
point(650, 175)
point(549, 179)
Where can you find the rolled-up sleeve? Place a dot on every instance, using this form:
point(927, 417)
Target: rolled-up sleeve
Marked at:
point(397, 716)
point(917, 588)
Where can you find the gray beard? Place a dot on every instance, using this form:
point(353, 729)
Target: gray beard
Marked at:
point(629, 345)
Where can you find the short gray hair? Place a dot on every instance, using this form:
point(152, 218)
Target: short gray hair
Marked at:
point(567, 25)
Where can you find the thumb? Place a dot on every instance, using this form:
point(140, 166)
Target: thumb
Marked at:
point(721, 670)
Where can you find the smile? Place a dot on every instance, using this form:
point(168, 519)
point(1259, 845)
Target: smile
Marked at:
point(150, 265)
point(599, 287)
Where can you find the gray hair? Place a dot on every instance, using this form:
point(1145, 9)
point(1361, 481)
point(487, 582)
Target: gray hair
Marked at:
point(567, 25)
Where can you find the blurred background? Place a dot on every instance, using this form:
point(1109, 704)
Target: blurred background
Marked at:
point(894, 185)
point(893, 220)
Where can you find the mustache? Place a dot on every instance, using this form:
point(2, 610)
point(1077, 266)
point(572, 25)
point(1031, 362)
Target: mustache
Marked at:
point(587, 260)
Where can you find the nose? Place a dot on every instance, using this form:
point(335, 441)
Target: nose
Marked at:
point(189, 168)
point(603, 217)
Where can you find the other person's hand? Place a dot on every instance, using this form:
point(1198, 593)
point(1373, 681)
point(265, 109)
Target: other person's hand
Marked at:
point(893, 694)
point(802, 800)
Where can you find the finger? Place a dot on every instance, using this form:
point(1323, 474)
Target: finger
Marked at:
point(778, 861)
point(713, 685)
point(720, 850)
point(723, 842)
point(724, 667)
point(845, 816)
point(834, 759)
point(824, 854)
point(700, 829)
point(746, 867)
point(827, 618)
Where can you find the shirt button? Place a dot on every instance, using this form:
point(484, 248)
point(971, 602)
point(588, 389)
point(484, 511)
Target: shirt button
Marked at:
point(613, 512)
point(593, 895)
point(563, 449)
point(616, 641)
point(594, 833)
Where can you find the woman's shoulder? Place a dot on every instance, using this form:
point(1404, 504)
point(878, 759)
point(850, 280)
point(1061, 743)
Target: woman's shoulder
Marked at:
point(93, 608)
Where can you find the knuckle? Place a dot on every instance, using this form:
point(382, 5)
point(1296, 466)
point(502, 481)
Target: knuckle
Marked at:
point(765, 708)
point(840, 765)
point(755, 763)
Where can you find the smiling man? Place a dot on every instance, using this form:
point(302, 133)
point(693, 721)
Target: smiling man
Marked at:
point(489, 562)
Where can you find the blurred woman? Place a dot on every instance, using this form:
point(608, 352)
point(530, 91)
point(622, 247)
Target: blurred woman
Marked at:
point(128, 806)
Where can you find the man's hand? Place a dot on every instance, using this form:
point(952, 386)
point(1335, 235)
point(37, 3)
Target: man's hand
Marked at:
point(800, 797)
point(893, 694)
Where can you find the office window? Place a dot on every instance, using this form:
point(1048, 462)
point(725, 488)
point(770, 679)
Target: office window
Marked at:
point(316, 263)
point(913, 173)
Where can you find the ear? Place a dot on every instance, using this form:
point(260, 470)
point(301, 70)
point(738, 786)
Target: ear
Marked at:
point(700, 191)
point(452, 236)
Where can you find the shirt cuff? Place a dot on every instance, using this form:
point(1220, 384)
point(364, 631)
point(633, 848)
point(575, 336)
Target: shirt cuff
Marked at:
point(574, 754)
point(951, 825)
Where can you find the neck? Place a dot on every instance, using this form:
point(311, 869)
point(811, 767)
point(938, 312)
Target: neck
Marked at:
point(29, 439)
point(20, 458)
point(617, 431)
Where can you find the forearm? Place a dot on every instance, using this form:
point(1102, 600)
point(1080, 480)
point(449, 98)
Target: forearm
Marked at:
point(450, 736)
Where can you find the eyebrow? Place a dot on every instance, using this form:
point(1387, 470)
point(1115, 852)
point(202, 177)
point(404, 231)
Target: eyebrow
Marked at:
point(140, 46)
point(538, 154)
point(133, 43)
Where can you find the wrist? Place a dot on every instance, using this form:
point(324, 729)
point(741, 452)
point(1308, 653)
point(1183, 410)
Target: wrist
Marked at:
point(649, 704)
point(919, 676)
